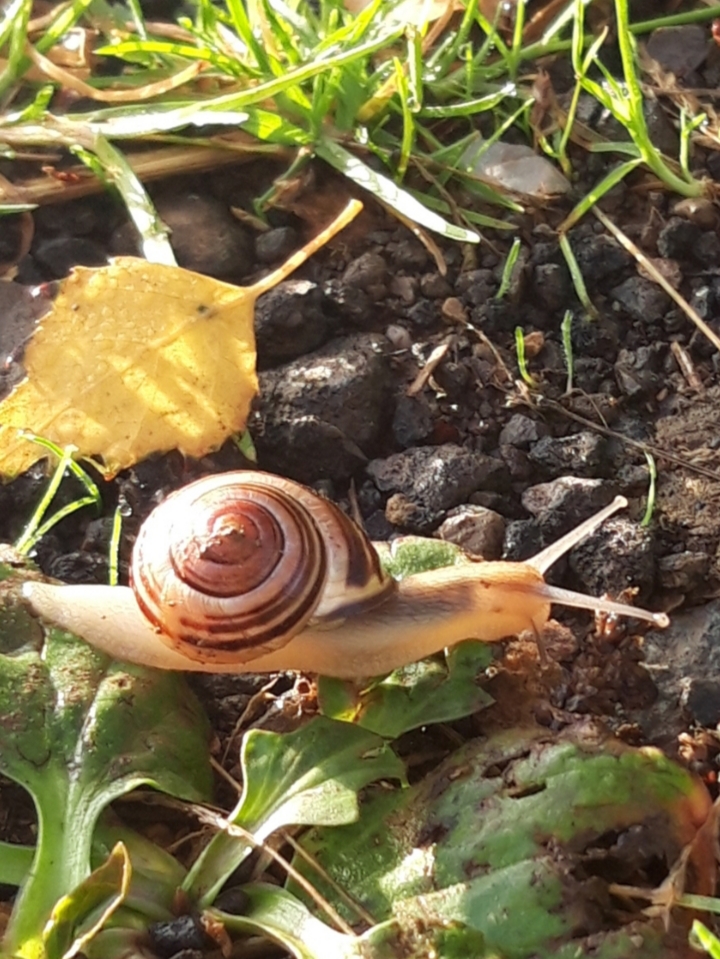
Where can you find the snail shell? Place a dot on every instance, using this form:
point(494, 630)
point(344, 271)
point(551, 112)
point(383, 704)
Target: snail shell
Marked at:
point(234, 565)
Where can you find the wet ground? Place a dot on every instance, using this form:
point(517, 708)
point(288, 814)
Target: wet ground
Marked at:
point(468, 451)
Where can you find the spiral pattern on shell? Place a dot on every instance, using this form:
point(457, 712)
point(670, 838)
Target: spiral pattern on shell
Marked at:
point(236, 564)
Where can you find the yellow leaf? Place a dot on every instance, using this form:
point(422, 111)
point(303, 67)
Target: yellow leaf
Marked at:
point(138, 357)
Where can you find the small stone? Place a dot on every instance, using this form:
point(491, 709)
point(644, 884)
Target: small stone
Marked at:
point(707, 249)
point(599, 257)
point(452, 378)
point(678, 238)
point(522, 431)
point(476, 286)
point(406, 287)
point(552, 284)
point(183, 932)
point(517, 462)
point(523, 539)
point(564, 502)
point(477, 530)
point(618, 555)
point(641, 298)
point(276, 244)
point(434, 479)
point(205, 236)
point(453, 311)
point(679, 657)
point(701, 698)
point(409, 254)
point(368, 272)
point(289, 322)
point(423, 314)
point(684, 571)
point(698, 209)
point(434, 286)
point(680, 49)
point(636, 371)
point(413, 422)
point(584, 453)
point(60, 254)
point(321, 416)
point(399, 337)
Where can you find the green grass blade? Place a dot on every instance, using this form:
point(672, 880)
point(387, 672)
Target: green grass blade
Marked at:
point(652, 490)
point(408, 129)
point(522, 358)
point(388, 192)
point(113, 168)
point(589, 201)
point(566, 335)
point(508, 268)
point(577, 277)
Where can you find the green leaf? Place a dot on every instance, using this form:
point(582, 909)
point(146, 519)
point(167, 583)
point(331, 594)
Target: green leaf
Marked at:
point(431, 691)
point(277, 914)
point(388, 192)
point(89, 905)
point(77, 731)
point(308, 777)
point(502, 836)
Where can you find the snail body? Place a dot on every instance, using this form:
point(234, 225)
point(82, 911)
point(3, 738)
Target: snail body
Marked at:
point(249, 572)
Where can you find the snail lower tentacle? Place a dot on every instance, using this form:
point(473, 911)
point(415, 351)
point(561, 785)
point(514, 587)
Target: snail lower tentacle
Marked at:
point(248, 572)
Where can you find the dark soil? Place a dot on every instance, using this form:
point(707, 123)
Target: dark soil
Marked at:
point(473, 454)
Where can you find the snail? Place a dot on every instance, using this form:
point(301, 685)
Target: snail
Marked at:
point(249, 572)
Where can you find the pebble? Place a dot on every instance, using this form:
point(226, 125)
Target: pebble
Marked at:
point(684, 662)
point(707, 249)
point(701, 698)
point(369, 274)
point(523, 539)
point(60, 254)
point(679, 49)
point(423, 315)
point(322, 415)
point(600, 257)
point(584, 453)
point(564, 502)
point(427, 481)
point(678, 238)
point(206, 237)
point(517, 462)
point(413, 421)
point(406, 287)
point(522, 431)
point(453, 311)
point(641, 298)
point(636, 371)
point(410, 255)
point(276, 245)
point(618, 555)
point(435, 286)
point(698, 209)
point(476, 286)
point(289, 322)
point(684, 571)
point(552, 284)
point(477, 530)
